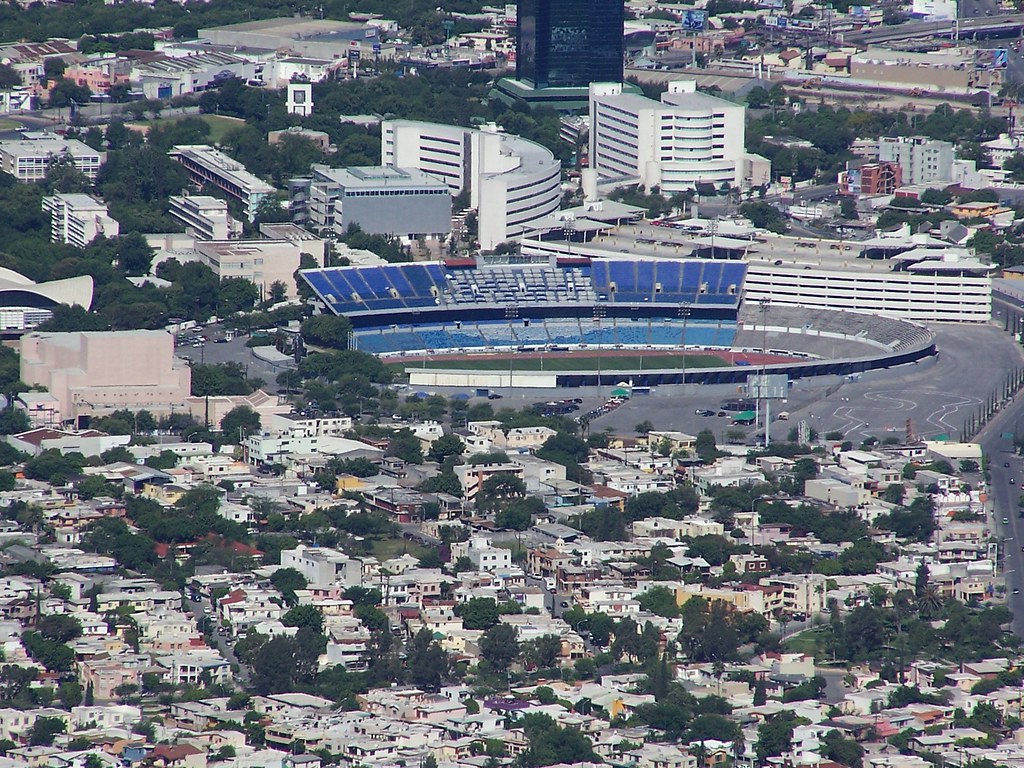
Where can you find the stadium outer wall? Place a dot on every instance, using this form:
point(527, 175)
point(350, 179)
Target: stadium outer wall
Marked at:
point(843, 366)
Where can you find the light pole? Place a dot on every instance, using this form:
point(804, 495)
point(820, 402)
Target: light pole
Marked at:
point(764, 304)
point(684, 312)
point(569, 229)
point(753, 502)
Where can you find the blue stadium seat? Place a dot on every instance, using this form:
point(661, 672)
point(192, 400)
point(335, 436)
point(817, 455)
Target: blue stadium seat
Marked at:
point(701, 335)
point(734, 275)
point(359, 285)
point(726, 335)
point(417, 277)
point(535, 333)
point(396, 276)
point(668, 275)
point(599, 334)
point(645, 277)
point(712, 277)
point(320, 283)
point(497, 333)
point(633, 334)
point(623, 274)
point(436, 338)
point(563, 332)
point(666, 335)
point(377, 282)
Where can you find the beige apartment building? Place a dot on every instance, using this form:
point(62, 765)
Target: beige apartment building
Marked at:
point(94, 373)
point(262, 262)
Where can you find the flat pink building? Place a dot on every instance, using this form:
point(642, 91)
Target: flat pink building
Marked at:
point(100, 74)
point(94, 373)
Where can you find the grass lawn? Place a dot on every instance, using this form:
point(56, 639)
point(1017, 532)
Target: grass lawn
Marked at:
point(9, 125)
point(562, 362)
point(805, 641)
point(220, 126)
point(385, 549)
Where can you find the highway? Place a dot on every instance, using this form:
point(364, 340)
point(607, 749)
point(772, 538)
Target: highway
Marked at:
point(1008, 25)
point(1003, 501)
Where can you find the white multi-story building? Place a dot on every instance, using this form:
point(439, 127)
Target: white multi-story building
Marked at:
point(923, 160)
point(30, 158)
point(934, 10)
point(78, 219)
point(277, 448)
point(206, 165)
point(685, 139)
point(205, 217)
point(323, 566)
point(482, 554)
point(935, 290)
point(512, 182)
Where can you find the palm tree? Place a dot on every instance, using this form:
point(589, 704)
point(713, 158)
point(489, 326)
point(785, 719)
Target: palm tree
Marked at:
point(718, 669)
point(929, 602)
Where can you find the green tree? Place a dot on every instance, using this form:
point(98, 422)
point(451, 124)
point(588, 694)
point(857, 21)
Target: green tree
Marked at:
point(660, 601)
point(44, 730)
point(406, 446)
point(305, 616)
point(64, 92)
point(427, 661)
point(499, 646)
point(70, 694)
point(498, 490)
point(327, 331)
point(842, 750)
point(774, 736)
point(240, 422)
point(445, 446)
point(478, 613)
point(519, 513)
point(133, 254)
point(237, 294)
point(549, 744)
point(13, 421)
point(287, 581)
point(705, 446)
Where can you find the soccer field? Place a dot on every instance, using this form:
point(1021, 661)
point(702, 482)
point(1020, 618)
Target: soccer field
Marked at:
point(560, 361)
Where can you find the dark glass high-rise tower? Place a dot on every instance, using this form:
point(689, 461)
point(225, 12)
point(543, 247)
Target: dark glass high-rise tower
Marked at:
point(569, 43)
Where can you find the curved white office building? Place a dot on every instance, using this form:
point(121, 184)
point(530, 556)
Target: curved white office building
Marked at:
point(511, 181)
point(687, 138)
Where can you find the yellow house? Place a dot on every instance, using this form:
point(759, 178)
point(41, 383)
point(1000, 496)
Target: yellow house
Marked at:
point(982, 210)
point(679, 441)
point(349, 483)
point(165, 494)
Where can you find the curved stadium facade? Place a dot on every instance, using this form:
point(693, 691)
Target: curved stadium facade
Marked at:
point(571, 303)
point(461, 304)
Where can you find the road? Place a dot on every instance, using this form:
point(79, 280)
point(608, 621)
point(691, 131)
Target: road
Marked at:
point(937, 394)
point(1008, 25)
point(220, 642)
point(1003, 501)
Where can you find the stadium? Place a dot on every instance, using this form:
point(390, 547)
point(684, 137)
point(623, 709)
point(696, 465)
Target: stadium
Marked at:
point(597, 321)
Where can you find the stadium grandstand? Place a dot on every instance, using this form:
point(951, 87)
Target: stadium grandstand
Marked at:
point(535, 302)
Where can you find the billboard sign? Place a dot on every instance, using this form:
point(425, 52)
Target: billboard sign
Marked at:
point(768, 386)
point(695, 20)
point(991, 58)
